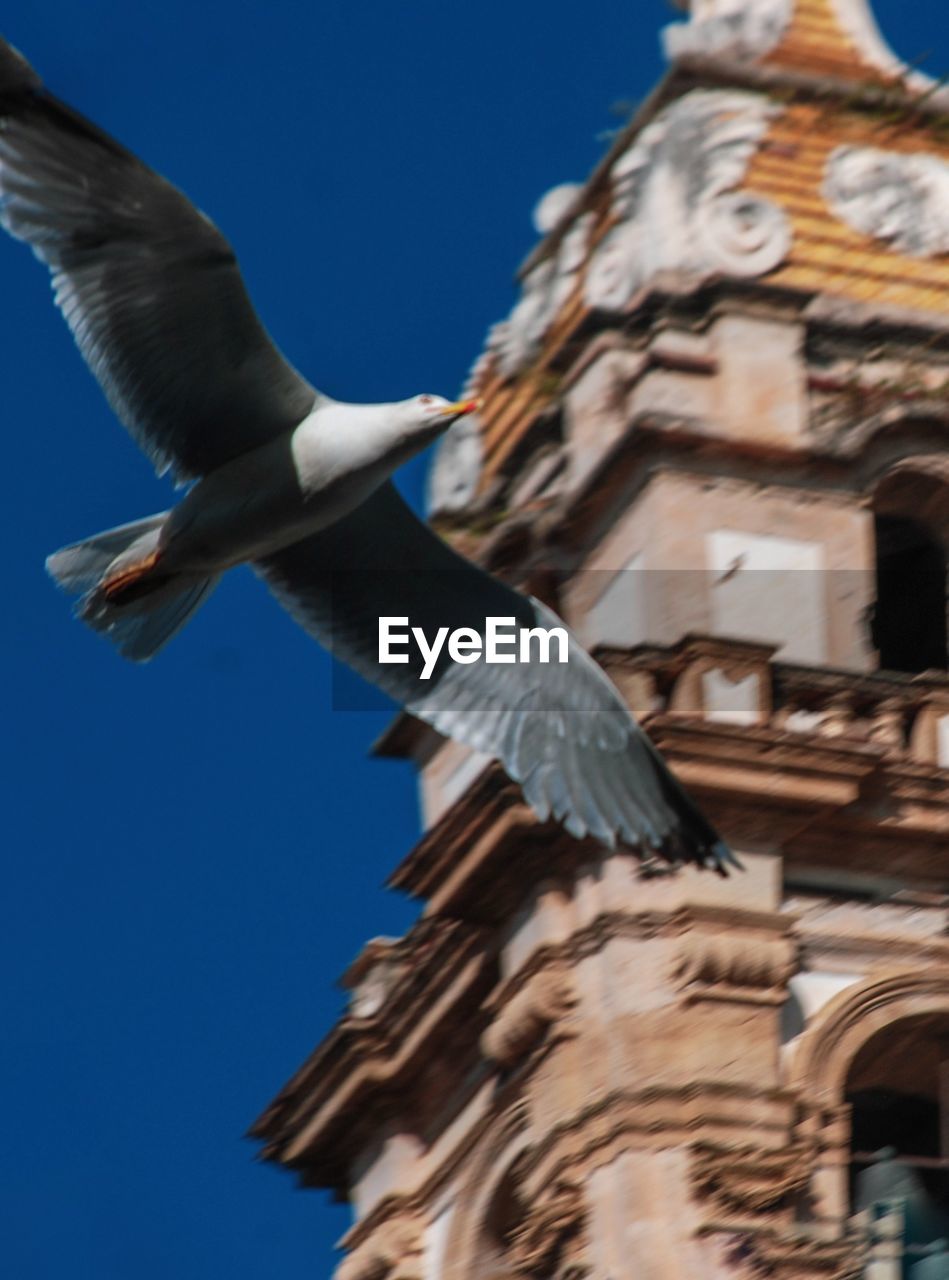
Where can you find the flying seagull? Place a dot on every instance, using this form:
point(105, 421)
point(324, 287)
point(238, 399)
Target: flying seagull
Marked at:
point(296, 484)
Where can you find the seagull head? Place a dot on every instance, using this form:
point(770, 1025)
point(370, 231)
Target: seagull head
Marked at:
point(431, 415)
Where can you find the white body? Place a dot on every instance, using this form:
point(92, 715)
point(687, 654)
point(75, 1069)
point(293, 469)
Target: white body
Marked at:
point(298, 484)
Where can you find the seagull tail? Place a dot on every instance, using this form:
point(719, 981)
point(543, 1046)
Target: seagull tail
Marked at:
point(144, 615)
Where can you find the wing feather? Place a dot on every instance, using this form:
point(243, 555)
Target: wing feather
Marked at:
point(561, 730)
point(147, 284)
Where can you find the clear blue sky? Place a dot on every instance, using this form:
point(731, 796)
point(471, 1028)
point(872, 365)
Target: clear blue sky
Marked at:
point(194, 849)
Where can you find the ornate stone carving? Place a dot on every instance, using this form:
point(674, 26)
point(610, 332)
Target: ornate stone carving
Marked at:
point(735, 966)
point(792, 1255)
point(903, 199)
point(750, 1179)
point(394, 1252)
point(527, 1018)
point(540, 1244)
point(675, 198)
point(372, 976)
point(545, 289)
point(745, 30)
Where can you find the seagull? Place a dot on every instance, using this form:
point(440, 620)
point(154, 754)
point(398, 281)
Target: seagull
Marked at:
point(297, 485)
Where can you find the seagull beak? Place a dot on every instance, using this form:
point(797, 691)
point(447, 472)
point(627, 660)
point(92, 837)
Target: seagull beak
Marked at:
point(460, 408)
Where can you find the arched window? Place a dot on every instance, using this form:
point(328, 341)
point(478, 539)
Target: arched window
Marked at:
point(908, 623)
point(898, 1091)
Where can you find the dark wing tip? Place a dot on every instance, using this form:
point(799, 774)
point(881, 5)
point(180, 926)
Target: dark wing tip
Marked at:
point(720, 858)
point(16, 74)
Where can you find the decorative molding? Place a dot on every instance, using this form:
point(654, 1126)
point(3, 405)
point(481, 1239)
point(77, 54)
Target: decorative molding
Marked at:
point(373, 976)
point(675, 200)
point(741, 30)
point(395, 1251)
point(893, 196)
point(527, 1018)
point(590, 938)
point(735, 966)
point(544, 290)
point(749, 1179)
point(788, 1255)
point(543, 1243)
point(652, 1118)
point(839, 1030)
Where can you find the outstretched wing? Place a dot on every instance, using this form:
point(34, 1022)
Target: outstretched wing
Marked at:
point(560, 729)
point(148, 285)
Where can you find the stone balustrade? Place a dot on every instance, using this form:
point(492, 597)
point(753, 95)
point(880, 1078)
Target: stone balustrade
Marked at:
point(739, 682)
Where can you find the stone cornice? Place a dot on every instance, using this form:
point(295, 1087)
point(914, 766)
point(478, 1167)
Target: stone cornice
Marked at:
point(655, 1116)
point(364, 1062)
point(702, 919)
point(748, 1179)
point(463, 864)
point(788, 1253)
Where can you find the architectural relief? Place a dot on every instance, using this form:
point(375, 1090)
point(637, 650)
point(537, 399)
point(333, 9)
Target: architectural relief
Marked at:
point(522, 1024)
point(750, 1179)
point(541, 1243)
point(676, 203)
point(744, 30)
point(729, 964)
point(900, 198)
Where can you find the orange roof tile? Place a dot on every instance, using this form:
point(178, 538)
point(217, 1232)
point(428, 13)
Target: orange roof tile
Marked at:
point(826, 253)
point(817, 44)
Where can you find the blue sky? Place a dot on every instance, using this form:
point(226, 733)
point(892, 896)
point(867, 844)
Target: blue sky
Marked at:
point(195, 849)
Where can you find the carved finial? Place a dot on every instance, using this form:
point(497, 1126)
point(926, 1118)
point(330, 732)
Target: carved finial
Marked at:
point(743, 30)
point(372, 975)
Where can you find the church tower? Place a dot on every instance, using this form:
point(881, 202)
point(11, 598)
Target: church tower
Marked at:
point(715, 437)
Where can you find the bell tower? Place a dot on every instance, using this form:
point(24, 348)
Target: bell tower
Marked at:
point(715, 437)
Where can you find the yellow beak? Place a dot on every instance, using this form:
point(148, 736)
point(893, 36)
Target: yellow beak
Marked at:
point(460, 407)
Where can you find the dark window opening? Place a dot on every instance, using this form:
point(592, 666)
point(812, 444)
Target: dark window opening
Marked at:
point(898, 1090)
point(908, 620)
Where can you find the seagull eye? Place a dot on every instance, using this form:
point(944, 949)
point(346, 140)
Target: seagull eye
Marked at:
point(425, 399)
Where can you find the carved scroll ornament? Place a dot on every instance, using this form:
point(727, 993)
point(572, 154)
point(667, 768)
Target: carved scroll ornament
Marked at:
point(900, 198)
point(527, 1018)
point(745, 30)
point(676, 201)
point(750, 1179)
point(725, 963)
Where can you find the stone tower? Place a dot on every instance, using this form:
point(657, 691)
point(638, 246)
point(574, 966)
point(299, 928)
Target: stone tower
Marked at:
point(716, 437)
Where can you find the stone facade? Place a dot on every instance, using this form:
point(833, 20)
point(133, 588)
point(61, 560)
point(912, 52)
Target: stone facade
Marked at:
point(715, 438)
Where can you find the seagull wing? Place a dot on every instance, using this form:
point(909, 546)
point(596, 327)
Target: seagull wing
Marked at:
point(561, 730)
point(148, 285)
